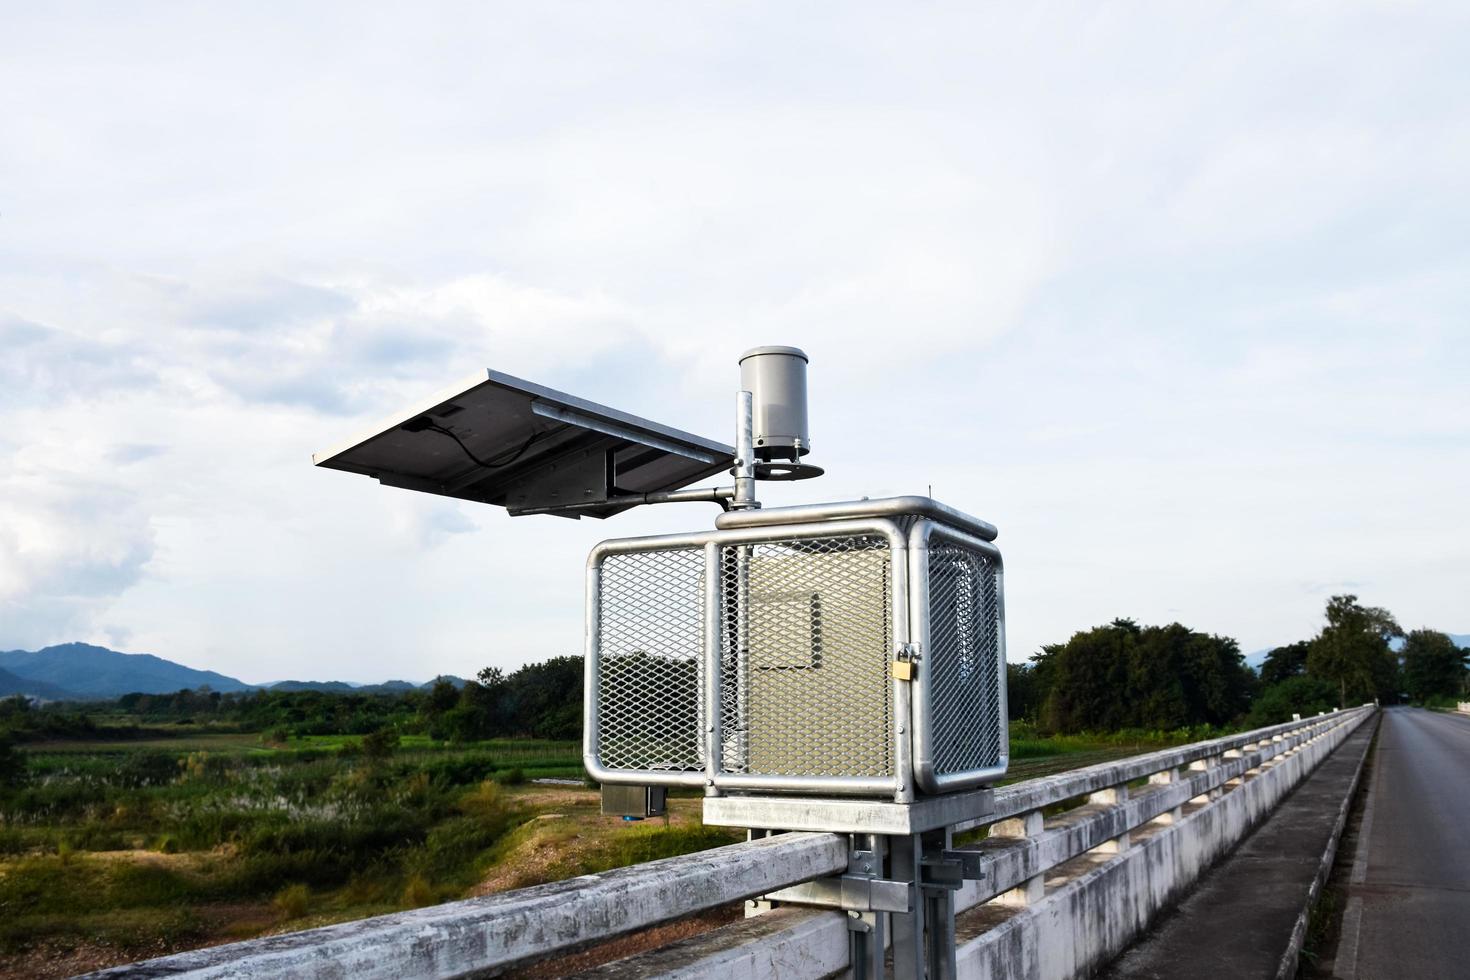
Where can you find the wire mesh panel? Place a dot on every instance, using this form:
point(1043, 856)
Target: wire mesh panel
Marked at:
point(779, 675)
point(964, 660)
point(650, 644)
point(806, 647)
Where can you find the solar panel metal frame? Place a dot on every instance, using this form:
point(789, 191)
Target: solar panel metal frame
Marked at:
point(558, 449)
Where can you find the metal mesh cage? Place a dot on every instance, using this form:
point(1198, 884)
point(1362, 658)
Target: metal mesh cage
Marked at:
point(779, 674)
point(964, 660)
point(806, 647)
point(650, 650)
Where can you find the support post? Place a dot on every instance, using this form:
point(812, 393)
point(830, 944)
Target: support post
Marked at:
point(1112, 797)
point(905, 857)
point(1167, 778)
point(865, 930)
point(713, 633)
point(1033, 890)
point(1204, 765)
point(745, 453)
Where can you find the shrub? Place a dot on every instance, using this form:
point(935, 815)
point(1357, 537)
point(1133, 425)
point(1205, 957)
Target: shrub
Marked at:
point(460, 770)
point(11, 841)
point(1296, 695)
point(12, 764)
point(417, 893)
point(484, 802)
point(146, 884)
point(147, 769)
point(512, 777)
point(292, 901)
point(380, 744)
point(452, 845)
point(649, 843)
point(96, 837)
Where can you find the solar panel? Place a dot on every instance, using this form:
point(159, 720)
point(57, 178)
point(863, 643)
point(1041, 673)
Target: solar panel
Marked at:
point(499, 440)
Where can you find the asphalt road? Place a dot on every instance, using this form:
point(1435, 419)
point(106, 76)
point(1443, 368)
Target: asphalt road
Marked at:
point(1408, 907)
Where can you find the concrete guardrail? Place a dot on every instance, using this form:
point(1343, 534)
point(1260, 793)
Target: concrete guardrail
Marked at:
point(1075, 866)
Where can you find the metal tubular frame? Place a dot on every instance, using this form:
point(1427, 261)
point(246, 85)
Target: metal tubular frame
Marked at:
point(930, 780)
point(896, 508)
point(911, 725)
point(898, 784)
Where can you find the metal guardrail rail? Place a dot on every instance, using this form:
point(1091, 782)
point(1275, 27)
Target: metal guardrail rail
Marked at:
point(1024, 848)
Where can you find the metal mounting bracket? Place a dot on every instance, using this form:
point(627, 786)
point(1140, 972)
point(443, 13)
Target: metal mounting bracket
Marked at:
point(860, 890)
point(949, 870)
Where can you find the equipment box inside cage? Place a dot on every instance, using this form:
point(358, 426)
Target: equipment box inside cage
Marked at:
point(855, 649)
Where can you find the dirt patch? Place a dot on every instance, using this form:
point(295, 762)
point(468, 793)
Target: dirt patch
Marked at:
point(222, 923)
point(550, 846)
point(45, 963)
point(558, 797)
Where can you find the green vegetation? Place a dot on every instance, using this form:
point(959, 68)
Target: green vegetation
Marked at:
point(146, 849)
point(1123, 676)
point(151, 823)
point(1434, 668)
point(1353, 651)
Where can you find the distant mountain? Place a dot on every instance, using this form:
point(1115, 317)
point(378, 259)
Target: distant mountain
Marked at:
point(79, 671)
point(15, 684)
point(96, 672)
point(1254, 660)
point(328, 687)
point(1462, 640)
point(342, 687)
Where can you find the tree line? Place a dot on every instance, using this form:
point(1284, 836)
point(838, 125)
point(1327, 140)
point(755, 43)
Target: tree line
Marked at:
point(1124, 675)
point(1118, 676)
point(539, 700)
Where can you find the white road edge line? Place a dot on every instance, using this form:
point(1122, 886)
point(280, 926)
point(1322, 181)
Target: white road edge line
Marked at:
point(1346, 964)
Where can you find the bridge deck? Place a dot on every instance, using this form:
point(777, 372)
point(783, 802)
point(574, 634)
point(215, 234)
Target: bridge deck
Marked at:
point(1239, 921)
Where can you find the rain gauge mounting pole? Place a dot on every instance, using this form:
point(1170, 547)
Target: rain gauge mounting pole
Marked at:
point(744, 452)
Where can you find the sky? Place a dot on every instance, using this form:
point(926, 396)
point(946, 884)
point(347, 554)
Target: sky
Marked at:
point(1176, 295)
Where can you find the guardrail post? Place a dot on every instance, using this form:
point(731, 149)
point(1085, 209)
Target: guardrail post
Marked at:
point(1235, 780)
point(1205, 765)
point(1033, 889)
point(1112, 796)
point(1256, 769)
point(1167, 778)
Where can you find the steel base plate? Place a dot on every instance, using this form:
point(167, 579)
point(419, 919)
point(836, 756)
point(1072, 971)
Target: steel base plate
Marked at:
point(847, 816)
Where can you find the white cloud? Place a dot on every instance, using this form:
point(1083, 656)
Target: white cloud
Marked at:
point(1176, 298)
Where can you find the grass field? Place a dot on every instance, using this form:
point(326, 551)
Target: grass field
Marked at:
point(120, 850)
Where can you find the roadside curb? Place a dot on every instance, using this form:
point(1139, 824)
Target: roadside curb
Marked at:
point(1289, 959)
